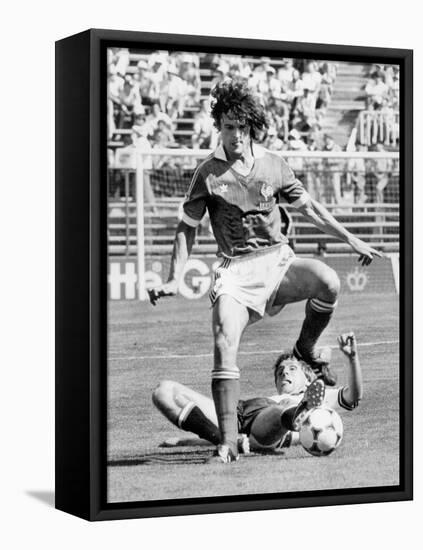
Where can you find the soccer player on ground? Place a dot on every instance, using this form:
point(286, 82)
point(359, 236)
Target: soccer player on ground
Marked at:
point(240, 185)
point(269, 422)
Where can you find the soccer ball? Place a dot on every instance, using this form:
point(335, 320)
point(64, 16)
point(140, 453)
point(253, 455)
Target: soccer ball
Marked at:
point(321, 432)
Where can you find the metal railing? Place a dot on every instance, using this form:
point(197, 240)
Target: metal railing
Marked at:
point(362, 190)
point(377, 224)
point(378, 127)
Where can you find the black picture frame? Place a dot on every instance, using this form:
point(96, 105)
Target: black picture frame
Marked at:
point(81, 276)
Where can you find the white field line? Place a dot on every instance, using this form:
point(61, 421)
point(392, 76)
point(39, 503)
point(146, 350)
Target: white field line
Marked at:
point(258, 352)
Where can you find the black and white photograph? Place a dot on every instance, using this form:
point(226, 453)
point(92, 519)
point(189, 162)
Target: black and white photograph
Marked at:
point(253, 246)
point(168, 383)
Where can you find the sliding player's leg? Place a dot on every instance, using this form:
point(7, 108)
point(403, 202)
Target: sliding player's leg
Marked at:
point(275, 422)
point(229, 321)
point(187, 409)
point(267, 430)
point(314, 281)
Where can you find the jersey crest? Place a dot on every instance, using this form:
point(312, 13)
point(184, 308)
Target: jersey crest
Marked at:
point(267, 191)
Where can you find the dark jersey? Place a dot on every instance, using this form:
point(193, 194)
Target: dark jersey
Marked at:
point(243, 209)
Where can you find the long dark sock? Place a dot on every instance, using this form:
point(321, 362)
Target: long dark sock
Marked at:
point(226, 395)
point(318, 315)
point(192, 419)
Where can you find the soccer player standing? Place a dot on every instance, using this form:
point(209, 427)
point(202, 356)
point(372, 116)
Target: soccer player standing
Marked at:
point(239, 184)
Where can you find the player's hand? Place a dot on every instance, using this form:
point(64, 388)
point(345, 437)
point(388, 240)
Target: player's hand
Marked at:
point(168, 289)
point(365, 252)
point(348, 344)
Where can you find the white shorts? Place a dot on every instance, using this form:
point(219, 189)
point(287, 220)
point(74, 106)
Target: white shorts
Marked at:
point(253, 279)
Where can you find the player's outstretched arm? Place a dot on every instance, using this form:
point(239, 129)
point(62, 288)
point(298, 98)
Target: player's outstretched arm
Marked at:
point(182, 246)
point(317, 214)
point(353, 391)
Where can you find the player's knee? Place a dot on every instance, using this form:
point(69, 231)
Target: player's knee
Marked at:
point(267, 428)
point(330, 285)
point(163, 393)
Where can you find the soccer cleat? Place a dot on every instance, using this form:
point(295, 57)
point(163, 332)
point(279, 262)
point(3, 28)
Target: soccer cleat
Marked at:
point(323, 372)
point(243, 444)
point(320, 364)
point(223, 455)
point(313, 397)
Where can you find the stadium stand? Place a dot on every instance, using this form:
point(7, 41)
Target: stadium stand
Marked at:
point(313, 106)
point(312, 97)
point(296, 92)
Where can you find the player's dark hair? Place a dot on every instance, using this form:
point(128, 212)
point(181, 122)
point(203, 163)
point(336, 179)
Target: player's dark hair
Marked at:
point(235, 97)
point(308, 371)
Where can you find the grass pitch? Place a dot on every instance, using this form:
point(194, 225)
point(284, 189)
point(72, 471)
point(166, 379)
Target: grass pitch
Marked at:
point(174, 341)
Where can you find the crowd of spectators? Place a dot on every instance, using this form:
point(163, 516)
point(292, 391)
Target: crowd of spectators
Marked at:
point(146, 100)
point(295, 92)
point(154, 94)
point(382, 105)
point(382, 88)
point(151, 96)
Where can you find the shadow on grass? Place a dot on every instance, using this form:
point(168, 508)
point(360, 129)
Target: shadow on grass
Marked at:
point(177, 457)
point(173, 457)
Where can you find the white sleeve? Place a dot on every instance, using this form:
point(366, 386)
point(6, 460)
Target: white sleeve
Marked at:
point(334, 399)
